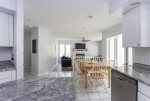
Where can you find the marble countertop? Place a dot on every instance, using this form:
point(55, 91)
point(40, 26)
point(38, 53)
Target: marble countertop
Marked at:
point(39, 89)
point(138, 72)
point(6, 66)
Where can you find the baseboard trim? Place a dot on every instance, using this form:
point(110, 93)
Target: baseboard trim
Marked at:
point(53, 67)
point(42, 74)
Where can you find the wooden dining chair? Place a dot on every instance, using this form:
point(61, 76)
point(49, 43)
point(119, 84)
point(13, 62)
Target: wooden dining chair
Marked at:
point(110, 63)
point(97, 75)
point(79, 73)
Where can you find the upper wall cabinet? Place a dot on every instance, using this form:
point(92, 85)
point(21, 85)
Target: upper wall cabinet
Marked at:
point(136, 27)
point(6, 30)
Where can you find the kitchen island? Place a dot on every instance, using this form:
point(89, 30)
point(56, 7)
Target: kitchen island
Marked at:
point(7, 71)
point(39, 89)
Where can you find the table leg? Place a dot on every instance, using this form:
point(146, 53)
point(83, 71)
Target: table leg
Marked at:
point(109, 78)
point(86, 81)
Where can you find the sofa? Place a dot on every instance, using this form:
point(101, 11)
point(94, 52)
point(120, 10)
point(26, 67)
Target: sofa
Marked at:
point(66, 61)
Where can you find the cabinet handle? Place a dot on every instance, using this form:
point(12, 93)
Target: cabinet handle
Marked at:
point(138, 44)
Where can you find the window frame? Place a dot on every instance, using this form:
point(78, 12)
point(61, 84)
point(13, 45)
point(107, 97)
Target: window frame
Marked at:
point(126, 51)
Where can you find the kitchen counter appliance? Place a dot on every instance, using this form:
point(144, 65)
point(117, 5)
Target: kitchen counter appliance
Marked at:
point(123, 88)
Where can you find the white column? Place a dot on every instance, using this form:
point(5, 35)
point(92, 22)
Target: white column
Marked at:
point(18, 38)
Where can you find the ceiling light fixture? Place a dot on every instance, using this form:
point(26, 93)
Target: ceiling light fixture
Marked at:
point(83, 28)
point(90, 16)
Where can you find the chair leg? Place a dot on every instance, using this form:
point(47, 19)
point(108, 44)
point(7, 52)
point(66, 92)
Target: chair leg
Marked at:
point(75, 76)
point(94, 85)
point(89, 80)
point(104, 85)
point(78, 80)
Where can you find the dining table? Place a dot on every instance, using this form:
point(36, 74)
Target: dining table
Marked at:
point(89, 65)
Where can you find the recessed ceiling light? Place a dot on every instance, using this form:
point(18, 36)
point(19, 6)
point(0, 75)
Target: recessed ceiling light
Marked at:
point(135, 3)
point(90, 16)
point(83, 28)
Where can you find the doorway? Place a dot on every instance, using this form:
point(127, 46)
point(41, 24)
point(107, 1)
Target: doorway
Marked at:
point(64, 50)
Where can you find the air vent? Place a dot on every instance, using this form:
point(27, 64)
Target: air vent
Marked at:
point(135, 4)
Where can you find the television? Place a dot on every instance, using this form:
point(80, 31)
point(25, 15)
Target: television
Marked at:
point(80, 46)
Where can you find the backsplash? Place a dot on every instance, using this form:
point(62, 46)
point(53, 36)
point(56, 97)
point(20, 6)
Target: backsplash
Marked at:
point(5, 53)
point(141, 55)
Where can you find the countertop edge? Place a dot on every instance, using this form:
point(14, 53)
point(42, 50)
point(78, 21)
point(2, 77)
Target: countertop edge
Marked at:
point(137, 79)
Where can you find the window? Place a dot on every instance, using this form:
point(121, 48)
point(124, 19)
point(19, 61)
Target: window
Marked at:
point(112, 48)
point(68, 50)
point(130, 56)
point(64, 50)
point(120, 51)
point(116, 53)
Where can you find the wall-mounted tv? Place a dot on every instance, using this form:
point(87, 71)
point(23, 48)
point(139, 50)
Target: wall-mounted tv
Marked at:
point(80, 46)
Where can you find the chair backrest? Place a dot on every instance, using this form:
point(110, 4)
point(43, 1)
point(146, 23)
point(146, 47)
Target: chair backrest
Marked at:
point(96, 71)
point(77, 67)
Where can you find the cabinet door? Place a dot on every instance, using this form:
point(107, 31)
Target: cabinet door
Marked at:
point(4, 37)
point(141, 97)
point(11, 29)
point(5, 80)
point(131, 28)
point(13, 75)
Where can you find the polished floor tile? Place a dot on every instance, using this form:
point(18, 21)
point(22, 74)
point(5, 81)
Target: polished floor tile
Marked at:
point(86, 94)
point(82, 93)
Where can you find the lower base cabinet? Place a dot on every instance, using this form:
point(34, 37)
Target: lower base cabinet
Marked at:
point(143, 92)
point(7, 76)
point(142, 97)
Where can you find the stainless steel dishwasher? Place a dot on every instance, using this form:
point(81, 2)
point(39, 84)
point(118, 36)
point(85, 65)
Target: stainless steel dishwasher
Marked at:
point(123, 88)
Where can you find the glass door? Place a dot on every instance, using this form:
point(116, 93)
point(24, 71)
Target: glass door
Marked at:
point(68, 50)
point(64, 50)
point(61, 50)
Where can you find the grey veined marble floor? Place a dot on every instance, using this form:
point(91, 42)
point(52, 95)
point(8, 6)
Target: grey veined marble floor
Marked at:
point(39, 89)
point(55, 86)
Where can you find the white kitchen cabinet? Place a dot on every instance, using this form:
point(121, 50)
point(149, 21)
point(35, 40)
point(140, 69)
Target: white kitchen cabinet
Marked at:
point(7, 76)
point(13, 75)
point(143, 92)
point(5, 80)
point(6, 30)
point(142, 97)
point(136, 29)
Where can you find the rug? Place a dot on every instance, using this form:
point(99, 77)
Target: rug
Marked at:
point(67, 68)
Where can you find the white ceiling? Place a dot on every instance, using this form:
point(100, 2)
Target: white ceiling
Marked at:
point(69, 18)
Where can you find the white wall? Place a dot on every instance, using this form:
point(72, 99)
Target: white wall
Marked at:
point(141, 55)
point(47, 52)
point(8, 4)
point(108, 33)
point(46, 57)
point(5, 53)
point(27, 49)
point(93, 47)
point(115, 5)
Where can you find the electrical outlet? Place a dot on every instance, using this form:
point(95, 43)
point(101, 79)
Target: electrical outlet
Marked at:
point(145, 60)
